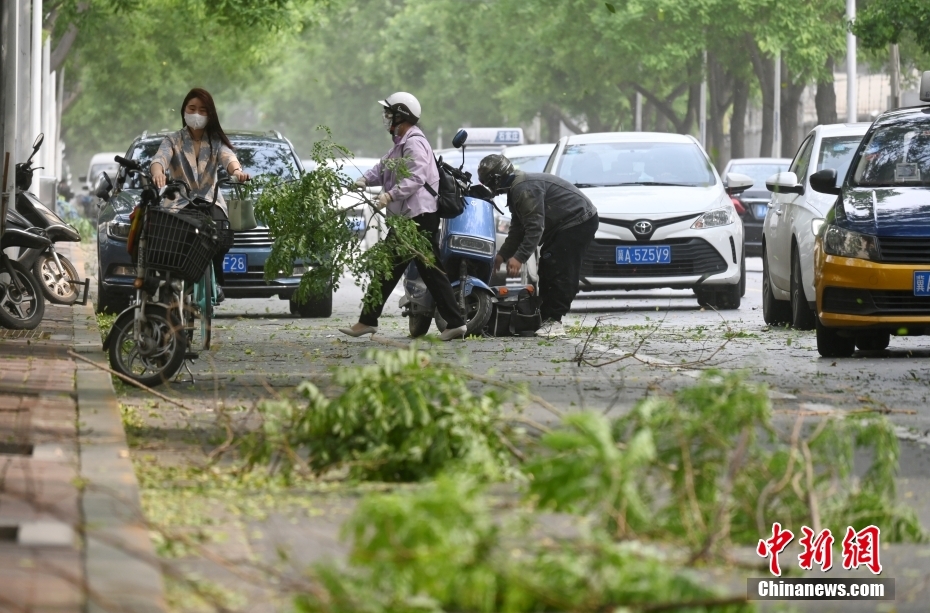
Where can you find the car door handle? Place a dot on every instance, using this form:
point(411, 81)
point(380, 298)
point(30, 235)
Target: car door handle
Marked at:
point(778, 211)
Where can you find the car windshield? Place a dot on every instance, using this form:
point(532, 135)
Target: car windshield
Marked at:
point(836, 152)
point(530, 163)
point(896, 155)
point(758, 173)
point(257, 158)
point(609, 164)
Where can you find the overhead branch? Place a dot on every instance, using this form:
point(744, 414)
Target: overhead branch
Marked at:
point(568, 121)
point(71, 96)
point(63, 47)
point(664, 106)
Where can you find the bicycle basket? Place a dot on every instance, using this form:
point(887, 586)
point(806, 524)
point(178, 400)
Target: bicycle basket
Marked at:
point(181, 243)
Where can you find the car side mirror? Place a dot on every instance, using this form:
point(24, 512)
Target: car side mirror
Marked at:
point(784, 183)
point(104, 186)
point(737, 183)
point(824, 181)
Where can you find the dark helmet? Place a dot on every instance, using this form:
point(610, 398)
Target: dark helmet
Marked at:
point(494, 171)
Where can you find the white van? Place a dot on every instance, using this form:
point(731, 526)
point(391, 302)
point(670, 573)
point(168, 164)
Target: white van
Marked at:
point(100, 163)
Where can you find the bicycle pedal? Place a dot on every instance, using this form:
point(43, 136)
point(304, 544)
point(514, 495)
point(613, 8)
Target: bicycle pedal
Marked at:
point(190, 355)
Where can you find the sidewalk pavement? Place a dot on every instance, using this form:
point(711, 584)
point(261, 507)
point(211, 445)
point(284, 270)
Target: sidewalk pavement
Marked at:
point(72, 536)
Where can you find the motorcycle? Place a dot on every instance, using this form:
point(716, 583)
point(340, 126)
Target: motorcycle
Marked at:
point(58, 279)
point(22, 305)
point(467, 249)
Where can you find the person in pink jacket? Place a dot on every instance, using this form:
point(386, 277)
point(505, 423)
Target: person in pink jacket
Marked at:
point(409, 196)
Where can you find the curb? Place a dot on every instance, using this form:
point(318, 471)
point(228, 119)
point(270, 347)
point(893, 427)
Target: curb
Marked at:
point(121, 570)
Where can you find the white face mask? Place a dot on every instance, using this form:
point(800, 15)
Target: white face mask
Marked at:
point(195, 121)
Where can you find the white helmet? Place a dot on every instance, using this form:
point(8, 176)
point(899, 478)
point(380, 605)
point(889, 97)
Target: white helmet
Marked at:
point(405, 106)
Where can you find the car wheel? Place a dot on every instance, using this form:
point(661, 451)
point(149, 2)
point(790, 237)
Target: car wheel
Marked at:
point(877, 341)
point(802, 317)
point(831, 344)
point(108, 302)
point(774, 311)
point(315, 307)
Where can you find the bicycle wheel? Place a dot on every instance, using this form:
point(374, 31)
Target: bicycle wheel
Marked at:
point(154, 358)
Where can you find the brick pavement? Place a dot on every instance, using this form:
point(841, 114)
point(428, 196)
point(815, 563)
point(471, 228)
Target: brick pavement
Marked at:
point(71, 534)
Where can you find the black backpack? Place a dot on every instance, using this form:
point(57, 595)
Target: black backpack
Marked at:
point(453, 185)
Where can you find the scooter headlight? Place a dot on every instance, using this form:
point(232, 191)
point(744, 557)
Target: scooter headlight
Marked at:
point(472, 244)
point(118, 229)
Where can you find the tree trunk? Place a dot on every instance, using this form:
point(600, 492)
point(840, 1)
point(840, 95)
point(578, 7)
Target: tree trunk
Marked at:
point(825, 100)
point(764, 68)
point(553, 125)
point(720, 88)
point(738, 120)
point(790, 103)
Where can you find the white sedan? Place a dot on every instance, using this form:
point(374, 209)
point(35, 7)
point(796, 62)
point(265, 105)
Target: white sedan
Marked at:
point(795, 215)
point(666, 219)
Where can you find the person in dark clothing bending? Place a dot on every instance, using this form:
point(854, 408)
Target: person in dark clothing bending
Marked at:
point(547, 211)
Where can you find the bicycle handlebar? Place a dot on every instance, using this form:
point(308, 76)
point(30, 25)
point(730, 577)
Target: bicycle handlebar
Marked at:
point(128, 164)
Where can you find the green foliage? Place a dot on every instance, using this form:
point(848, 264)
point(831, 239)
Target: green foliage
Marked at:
point(885, 22)
point(440, 549)
point(403, 418)
point(707, 466)
point(308, 224)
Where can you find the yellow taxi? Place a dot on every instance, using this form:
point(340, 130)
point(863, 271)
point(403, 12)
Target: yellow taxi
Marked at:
point(872, 255)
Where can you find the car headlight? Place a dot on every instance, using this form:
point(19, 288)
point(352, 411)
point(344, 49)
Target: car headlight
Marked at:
point(118, 229)
point(715, 218)
point(816, 224)
point(470, 243)
point(848, 244)
point(503, 225)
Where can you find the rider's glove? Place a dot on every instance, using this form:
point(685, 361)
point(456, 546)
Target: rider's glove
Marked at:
point(384, 199)
point(361, 183)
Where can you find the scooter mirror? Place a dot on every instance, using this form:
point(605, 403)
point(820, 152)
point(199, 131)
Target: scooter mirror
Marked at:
point(459, 139)
point(103, 187)
point(38, 141)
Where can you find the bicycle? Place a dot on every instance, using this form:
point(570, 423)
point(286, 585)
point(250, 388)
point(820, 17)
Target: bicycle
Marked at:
point(175, 283)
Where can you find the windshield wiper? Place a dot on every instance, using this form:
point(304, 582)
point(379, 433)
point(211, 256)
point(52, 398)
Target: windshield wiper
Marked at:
point(580, 185)
point(654, 183)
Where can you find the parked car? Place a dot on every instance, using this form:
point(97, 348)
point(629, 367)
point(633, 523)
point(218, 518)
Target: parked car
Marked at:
point(99, 163)
point(872, 255)
point(666, 219)
point(244, 265)
point(753, 204)
point(793, 216)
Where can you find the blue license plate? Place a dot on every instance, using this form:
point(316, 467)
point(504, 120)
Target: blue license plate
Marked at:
point(922, 282)
point(759, 210)
point(656, 254)
point(357, 224)
point(236, 262)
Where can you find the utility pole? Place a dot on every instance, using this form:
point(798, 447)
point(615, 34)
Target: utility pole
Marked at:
point(852, 92)
point(36, 98)
point(776, 104)
point(639, 112)
point(895, 77)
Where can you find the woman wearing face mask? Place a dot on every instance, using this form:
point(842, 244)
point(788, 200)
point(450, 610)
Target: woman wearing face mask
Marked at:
point(194, 154)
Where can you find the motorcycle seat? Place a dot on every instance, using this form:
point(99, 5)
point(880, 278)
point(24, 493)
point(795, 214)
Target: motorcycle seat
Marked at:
point(19, 238)
point(62, 232)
